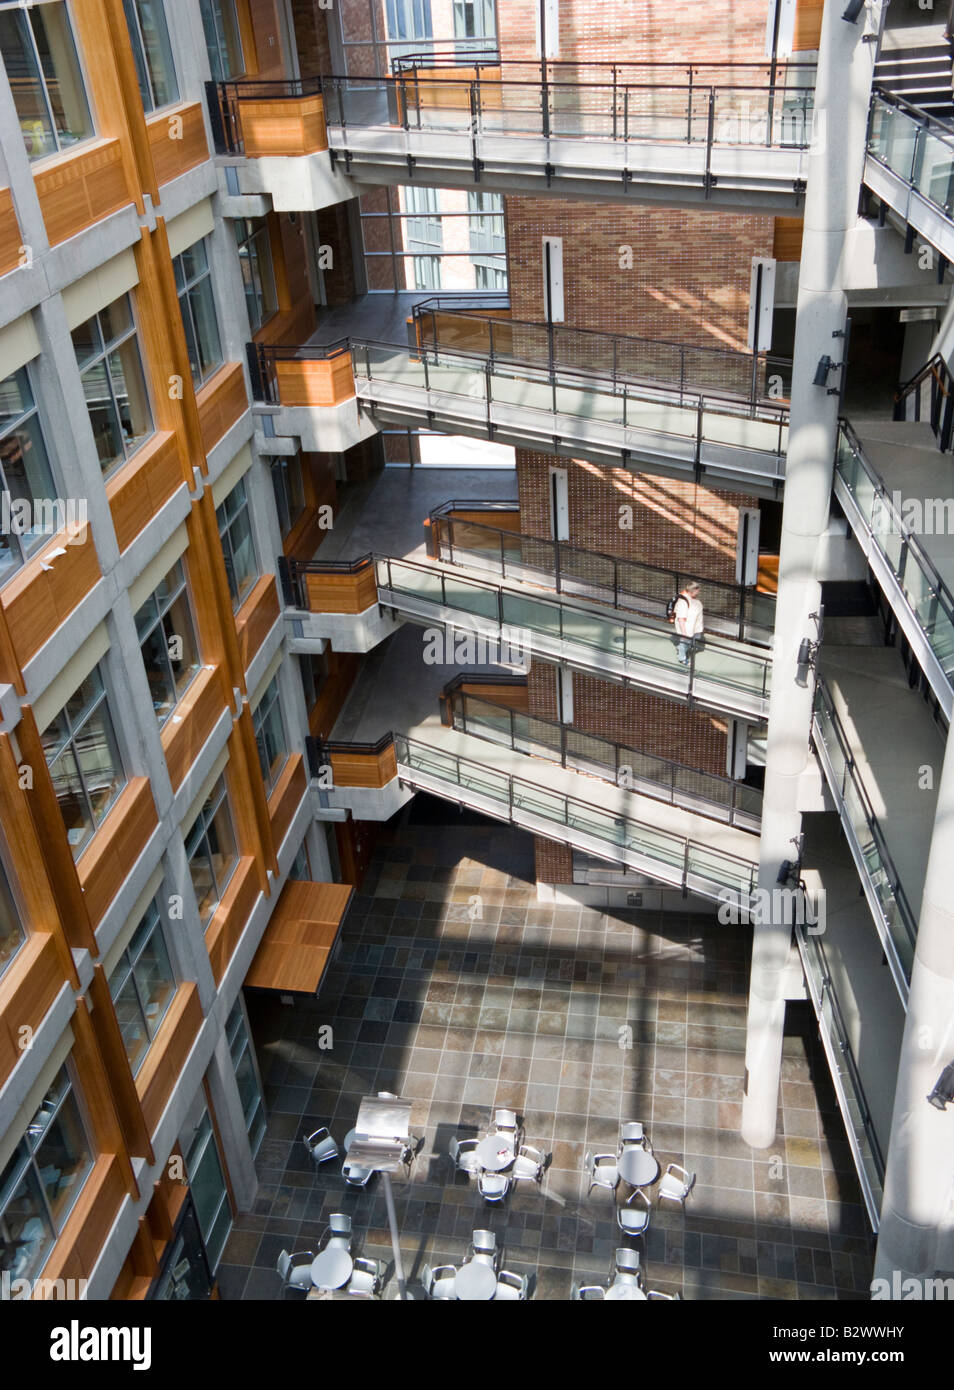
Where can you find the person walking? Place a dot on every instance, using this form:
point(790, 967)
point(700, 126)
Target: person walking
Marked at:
point(688, 618)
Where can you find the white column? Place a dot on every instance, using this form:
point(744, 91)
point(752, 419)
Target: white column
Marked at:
point(843, 86)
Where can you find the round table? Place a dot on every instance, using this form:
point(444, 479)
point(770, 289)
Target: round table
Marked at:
point(621, 1293)
point(495, 1153)
point(475, 1283)
point(637, 1166)
point(331, 1268)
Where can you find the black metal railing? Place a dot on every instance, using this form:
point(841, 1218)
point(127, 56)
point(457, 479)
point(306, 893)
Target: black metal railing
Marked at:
point(934, 381)
point(291, 573)
point(731, 609)
point(630, 768)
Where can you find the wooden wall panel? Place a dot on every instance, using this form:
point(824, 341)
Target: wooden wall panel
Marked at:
point(116, 846)
point(787, 239)
point(198, 712)
point(270, 60)
point(112, 1049)
point(342, 593)
point(230, 918)
point(167, 1055)
point(284, 801)
point(144, 485)
point(808, 21)
point(37, 600)
point(256, 618)
point(79, 188)
point(318, 381)
point(29, 985)
point(292, 127)
point(177, 140)
point(364, 769)
point(221, 401)
point(10, 239)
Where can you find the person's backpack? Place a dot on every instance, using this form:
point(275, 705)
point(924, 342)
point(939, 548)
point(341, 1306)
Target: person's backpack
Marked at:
point(671, 607)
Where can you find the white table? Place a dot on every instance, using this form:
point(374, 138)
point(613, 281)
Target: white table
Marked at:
point(475, 1283)
point(331, 1268)
point(621, 1293)
point(637, 1166)
point(495, 1153)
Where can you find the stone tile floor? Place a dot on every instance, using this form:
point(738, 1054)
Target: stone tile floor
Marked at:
point(460, 1006)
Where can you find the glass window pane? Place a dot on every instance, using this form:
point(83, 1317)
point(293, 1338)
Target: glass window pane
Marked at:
point(222, 40)
point(12, 934)
point(203, 881)
point(181, 644)
point(103, 416)
point(129, 386)
point(156, 981)
point(149, 36)
point(208, 349)
point(64, 81)
point(26, 83)
point(63, 1159)
point(99, 761)
point(158, 673)
point(132, 1025)
point(25, 1231)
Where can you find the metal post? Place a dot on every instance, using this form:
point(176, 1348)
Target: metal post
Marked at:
point(544, 90)
point(395, 1243)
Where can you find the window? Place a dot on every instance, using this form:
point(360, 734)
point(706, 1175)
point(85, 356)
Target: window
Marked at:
point(300, 870)
point(235, 531)
point(142, 985)
point(25, 474)
point(12, 935)
point(270, 735)
point(199, 319)
point(222, 39)
point(289, 487)
point(107, 354)
point(40, 58)
point(209, 1192)
point(487, 277)
point(152, 52)
point(314, 674)
point(83, 757)
point(255, 259)
point(167, 639)
point(42, 1180)
point(474, 19)
point(409, 19)
point(246, 1074)
point(422, 229)
point(211, 850)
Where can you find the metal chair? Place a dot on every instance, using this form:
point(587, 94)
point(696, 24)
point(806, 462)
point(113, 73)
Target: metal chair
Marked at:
point(439, 1283)
point(633, 1134)
point(320, 1145)
point(529, 1163)
point(670, 1297)
point(587, 1293)
point(602, 1170)
point(627, 1261)
point(366, 1278)
point(355, 1176)
point(493, 1187)
point(464, 1154)
point(505, 1123)
point(295, 1271)
point(676, 1184)
point(511, 1287)
point(484, 1248)
point(339, 1224)
point(634, 1222)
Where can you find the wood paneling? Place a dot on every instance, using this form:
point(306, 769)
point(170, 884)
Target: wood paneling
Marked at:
point(513, 696)
point(299, 939)
point(11, 241)
point(43, 594)
point(364, 769)
point(80, 187)
point(90, 1222)
point(117, 845)
point(343, 668)
point(787, 239)
point(144, 485)
point(342, 593)
point(185, 733)
point(267, 39)
point(447, 90)
point(256, 618)
point(325, 381)
point(29, 985)
point(177, 140)
point(167, 1055)
point(286, 797)
point(229, 919)
point(292, 127)
point(221, 401)
point(808, 21)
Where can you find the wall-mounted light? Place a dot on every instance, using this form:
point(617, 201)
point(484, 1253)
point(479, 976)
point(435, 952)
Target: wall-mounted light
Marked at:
point(943, 1088)
point(808, 649)
point(853, 10)
point(826, 364)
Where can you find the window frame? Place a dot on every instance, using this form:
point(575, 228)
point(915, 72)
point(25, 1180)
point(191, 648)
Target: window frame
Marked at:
point(70, 741)
point(102, 355)
point(214, 802)
point(22, 549)
point(59, 146)
point(150, 1027)
point(205, 7)
point(238, 596)
point(184, 296)
point(10, 890)
point(141, 61)
point(270, 701)
point(181, 590)
point(281, 469)
point(249, 240)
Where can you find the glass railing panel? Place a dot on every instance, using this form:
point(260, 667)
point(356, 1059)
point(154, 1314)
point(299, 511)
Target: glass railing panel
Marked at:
point(935, 178)
point(520, 612)
point(491, 722)
point(405, 579)
point(535, 737)
point(470, 597)
point(893, 138)
point(591, 631)
point(735, 671)
point(742, 433)
point(719, 869)
point(588, 753)
point(551, 806)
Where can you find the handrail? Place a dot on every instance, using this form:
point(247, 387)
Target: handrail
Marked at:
point(438, 57)
point(930, 368)
point(664, 789)
point(463, 678)
point(937, 124)
point(290, 573)
point(729, 602)
point(825, 707)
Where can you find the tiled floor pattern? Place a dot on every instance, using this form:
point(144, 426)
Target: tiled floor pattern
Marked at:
point(460, 1005)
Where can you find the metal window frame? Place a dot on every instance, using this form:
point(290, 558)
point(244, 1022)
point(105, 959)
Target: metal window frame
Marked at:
point(129, 963)
point(220, 44)
point(102, 356)
point(161, 609)
point(34, 411)
point(271, 698)
point(205, 819)
point(225, 537)
point(184, 296)
point(251, 253)
point(25, 7)
point(144, 51)
point(71, 741)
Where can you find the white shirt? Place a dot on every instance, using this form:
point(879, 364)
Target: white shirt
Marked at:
point(688, 616)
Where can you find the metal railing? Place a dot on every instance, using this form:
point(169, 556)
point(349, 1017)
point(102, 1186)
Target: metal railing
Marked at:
point(615, 357)
point(927, 595)
point(917, 147)
point(291, 572)
point(934, 379)
point(224, 100)
point(732, 609)
point(630, 768)
point(718, 671)
point(883, 883)
point(846, 1076)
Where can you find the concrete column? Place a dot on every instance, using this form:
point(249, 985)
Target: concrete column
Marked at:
point(845, 66)
point(920, 1167)
point(231, 1123)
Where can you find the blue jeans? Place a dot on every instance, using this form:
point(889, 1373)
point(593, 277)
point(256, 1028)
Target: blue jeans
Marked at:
point(684, 647)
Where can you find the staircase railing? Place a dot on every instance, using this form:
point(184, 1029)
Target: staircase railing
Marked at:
point(935, 380)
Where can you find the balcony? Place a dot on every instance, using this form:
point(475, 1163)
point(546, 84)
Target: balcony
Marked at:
point(910, 166)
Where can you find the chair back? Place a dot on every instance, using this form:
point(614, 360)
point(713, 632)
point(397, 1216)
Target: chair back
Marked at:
point(340, 1223)
point(632, 1132)
point(453, 1149)
point(427, 1278)
point(627, 1259)
point(485, 1240)
point(284, 1266)
point(505, 1119)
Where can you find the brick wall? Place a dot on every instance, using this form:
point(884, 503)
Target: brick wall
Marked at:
point(311, 37)
point(332, 228)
